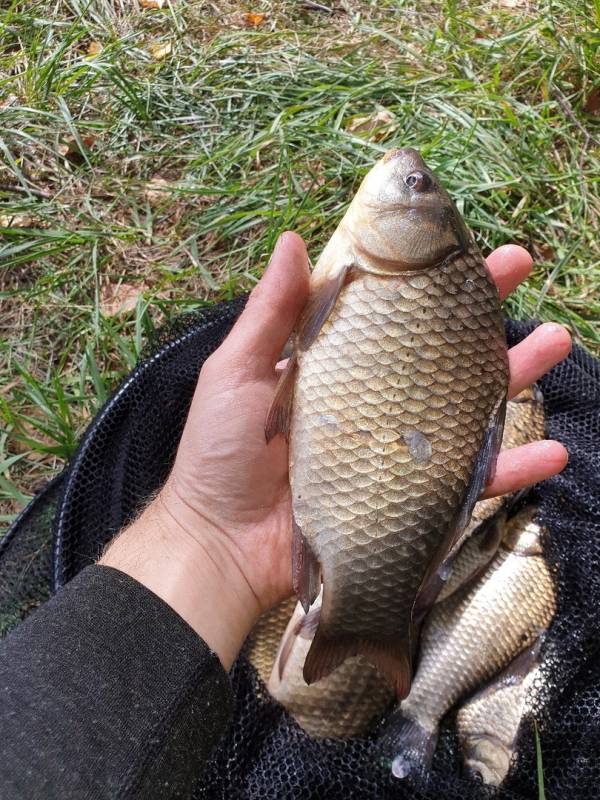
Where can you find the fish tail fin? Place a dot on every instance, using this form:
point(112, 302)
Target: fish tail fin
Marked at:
point(391, 658)
point(410, 745)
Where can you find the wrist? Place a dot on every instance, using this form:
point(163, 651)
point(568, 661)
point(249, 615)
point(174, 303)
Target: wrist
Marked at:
point(191, 568)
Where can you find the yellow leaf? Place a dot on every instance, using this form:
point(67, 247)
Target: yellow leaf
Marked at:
point(117, 299)
point(377, 126)
point(94, 49)
point(16, 221)
point(72, 152)
point(160, 50)
point(152, 3)
point(254, 20)
point(157, 191)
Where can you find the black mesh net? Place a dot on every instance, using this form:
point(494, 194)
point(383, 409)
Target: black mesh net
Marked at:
point(125, 456)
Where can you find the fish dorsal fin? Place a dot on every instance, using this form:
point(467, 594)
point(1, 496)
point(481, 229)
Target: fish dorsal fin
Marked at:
point(483, 473)
point(323, 296)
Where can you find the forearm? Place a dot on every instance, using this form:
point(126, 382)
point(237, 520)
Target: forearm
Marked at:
point(105, 691)
point(187, 563)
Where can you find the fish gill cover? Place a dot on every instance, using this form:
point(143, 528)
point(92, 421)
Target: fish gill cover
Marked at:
point(125, 455)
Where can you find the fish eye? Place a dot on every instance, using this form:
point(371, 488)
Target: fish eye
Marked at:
point(418, 181)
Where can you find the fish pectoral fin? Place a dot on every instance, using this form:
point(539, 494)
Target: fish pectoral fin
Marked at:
point(321, 301)
point(322, 298)
point(391, 658)
point(280, 413)
point(306, 570)
point(483, 473)
point(307, 626)
point(484, 469)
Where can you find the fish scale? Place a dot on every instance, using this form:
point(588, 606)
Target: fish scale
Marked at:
point(381, 368)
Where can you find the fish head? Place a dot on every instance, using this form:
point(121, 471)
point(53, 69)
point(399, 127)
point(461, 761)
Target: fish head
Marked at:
point(487, 761)
point(524, 535)
point(402, 218)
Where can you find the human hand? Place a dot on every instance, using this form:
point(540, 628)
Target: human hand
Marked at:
point(224, 514)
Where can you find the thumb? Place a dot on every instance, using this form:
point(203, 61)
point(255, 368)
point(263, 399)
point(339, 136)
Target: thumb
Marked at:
point(258, 337)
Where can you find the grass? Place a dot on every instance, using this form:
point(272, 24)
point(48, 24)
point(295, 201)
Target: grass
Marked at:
point(539, 764)
point(151, 156)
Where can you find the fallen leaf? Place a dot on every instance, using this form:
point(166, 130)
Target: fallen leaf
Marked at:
point(309, 182)
point(156, 191)
point(513, 3)
point(378, 125)
point(119, 298)
point(8, 100)
point(544, 252)
point(72, 152)
point(254, 20)
point(16, 221)
point(592, 103)
point(94, 49)
point(152, 3)
point(160, 50)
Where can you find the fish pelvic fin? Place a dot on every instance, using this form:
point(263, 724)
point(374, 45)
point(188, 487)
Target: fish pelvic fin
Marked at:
point(305, 628)
point(391, 658)
point(306, 570)
point(409, 745)
point(280, 414)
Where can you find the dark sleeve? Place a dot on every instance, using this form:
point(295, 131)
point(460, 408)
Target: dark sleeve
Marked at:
point(105, 692)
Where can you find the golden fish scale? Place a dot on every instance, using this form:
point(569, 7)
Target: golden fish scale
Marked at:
point(421, 352)
point(472, 635)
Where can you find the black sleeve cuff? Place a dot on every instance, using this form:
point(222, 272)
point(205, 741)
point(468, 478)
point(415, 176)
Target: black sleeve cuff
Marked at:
point(106, 692)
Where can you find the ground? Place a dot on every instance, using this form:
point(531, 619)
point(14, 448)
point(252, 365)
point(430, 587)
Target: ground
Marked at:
point(152, 151)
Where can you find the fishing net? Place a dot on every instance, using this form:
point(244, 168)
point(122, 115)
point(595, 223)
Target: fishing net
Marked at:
point(126, 454)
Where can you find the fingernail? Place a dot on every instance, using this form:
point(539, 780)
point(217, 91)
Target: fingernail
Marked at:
point(275, 249)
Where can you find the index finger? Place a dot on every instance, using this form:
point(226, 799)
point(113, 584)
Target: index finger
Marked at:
point(509, 264)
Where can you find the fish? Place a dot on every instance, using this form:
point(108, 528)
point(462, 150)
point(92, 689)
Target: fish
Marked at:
point(264, 640)
point(488, 724)
point(472, 636)
point(393, 403)
point(344, 704)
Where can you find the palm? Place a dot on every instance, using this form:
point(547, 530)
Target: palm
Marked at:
point(236, 482)
point(228, 476)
